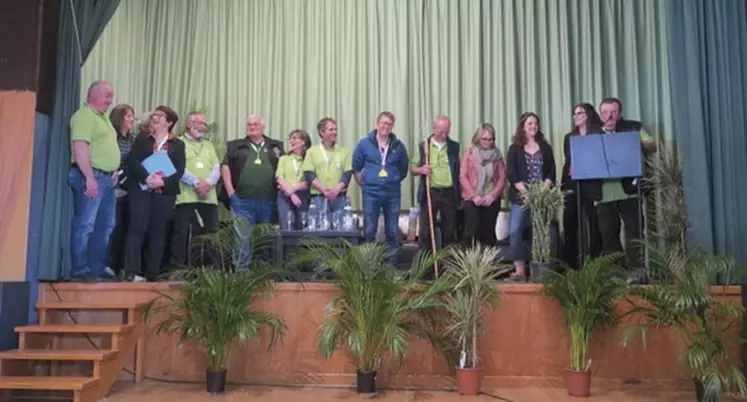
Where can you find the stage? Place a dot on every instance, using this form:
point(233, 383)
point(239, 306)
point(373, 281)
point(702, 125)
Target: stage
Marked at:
point(525, 345)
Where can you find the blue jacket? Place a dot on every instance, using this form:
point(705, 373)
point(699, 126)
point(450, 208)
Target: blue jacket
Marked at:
point(367, 162)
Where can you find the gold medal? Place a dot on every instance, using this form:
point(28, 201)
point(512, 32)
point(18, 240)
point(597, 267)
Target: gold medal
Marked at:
point(258, 161)
point(383, 173)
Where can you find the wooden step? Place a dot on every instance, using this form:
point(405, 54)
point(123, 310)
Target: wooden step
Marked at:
point(75, 329)
point(47, 383)
point(88, 306)
point(51, 354)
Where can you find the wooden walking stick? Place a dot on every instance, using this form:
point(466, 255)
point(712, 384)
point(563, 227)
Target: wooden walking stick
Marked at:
point(429, 204)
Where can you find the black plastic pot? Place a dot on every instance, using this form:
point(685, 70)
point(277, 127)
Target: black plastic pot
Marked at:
point(699, 390)
point(366, 382)
point(216, 381)
point(539, 271)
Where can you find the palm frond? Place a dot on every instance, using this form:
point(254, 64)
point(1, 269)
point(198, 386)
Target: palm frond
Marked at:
point(216, 308)
point(378, 308)
point(589, 298)
point(469, 273)
point(686, 304)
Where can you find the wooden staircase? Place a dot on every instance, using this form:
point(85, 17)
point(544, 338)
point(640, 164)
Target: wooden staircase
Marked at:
point(45, 343)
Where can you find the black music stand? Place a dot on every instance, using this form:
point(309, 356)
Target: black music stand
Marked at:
point(605, 156)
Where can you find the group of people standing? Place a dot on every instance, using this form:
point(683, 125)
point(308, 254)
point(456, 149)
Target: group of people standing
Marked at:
point(261, 183)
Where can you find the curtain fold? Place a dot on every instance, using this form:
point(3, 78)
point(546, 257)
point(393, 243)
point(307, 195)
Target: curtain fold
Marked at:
point(708, 72)
point(82, 20)
point(296, 61)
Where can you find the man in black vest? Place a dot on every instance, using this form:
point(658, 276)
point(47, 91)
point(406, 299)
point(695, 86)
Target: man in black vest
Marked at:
point(618, 199)
point(443, 168)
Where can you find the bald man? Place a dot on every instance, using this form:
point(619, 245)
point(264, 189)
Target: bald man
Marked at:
point(248, 172)
point(93, 175)
point(443, 168)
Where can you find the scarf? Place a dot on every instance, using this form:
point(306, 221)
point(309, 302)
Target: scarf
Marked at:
point(484, 160)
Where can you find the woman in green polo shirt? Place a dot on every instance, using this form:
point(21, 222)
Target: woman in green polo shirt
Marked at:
point(293, 197)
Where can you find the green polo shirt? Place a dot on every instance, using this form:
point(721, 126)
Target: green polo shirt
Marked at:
point(328, 163)
point(612, 190)
point(438, 159)
point(96, 129)
point(257, 180)
point(289, 169)
point(201, 158)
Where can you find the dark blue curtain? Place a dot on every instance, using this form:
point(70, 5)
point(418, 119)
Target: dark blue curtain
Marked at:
point(708, 75)
point(81, 21)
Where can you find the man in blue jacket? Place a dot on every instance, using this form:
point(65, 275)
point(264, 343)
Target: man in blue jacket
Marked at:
point(380, 163)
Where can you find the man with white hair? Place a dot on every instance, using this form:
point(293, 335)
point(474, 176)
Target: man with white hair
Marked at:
point(93, 175)
point(442, 167)
point(248, 172)
point(197, 201)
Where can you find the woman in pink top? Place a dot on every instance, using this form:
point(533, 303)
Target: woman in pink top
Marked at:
point(482, 176)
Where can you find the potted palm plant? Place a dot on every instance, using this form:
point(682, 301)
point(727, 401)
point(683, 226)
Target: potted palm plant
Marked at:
point(683, 300)
point(471, 272)
point(378, 308)
point(215, 307)
point(544, 202)
point(589, 298)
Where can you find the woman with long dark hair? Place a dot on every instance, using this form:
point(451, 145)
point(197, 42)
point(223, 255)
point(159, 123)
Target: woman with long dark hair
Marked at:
point(585, 121)
point(529, 160)
point(123, 120)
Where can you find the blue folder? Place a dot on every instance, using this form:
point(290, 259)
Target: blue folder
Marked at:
point(606, 156)
point(158, 162)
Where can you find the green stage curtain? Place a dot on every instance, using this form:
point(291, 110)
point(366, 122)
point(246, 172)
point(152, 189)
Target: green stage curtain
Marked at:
point(52, 244)
point(296, 61)
point(708, 72)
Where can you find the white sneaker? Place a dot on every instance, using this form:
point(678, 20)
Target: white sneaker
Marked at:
point(110, 272)
point(138, 278)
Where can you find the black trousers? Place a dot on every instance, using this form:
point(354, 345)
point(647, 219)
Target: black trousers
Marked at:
point(588, 234)
point(610, 215)
point(149, 218)
point(186, 217)
point(443, 203)
point(117, 242)
point(479, 223)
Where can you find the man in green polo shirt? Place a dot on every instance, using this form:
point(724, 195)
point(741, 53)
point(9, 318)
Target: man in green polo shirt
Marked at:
point(442, 167)
point(197, 201)
point(328, 169)
point(248, 172)
point(94, 172)
point(619, 198)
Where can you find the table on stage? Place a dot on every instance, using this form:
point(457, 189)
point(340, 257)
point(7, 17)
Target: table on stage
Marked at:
point(290, 240)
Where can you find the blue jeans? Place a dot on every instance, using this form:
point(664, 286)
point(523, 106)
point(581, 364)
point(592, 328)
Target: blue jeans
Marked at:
point(517, 225)
point(92, 224)
point(336, 205)
point(249, 212)
point(285, 207)
point(372, 207)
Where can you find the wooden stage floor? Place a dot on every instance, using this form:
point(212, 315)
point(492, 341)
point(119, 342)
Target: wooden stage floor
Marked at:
point(160, 392)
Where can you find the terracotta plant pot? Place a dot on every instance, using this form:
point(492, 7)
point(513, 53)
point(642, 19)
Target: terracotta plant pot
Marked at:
point(578, 383)
point(469, 380)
